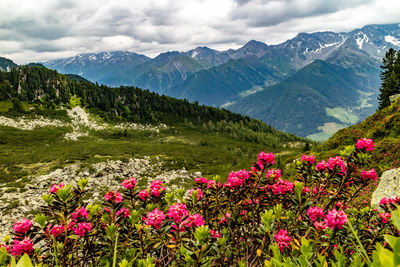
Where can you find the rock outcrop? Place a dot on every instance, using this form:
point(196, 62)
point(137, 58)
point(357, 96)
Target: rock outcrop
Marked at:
point(389, 186)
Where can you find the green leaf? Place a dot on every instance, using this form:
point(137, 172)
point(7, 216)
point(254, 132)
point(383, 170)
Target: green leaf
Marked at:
point(24, 261)
point(386, 258)
point(396, 218)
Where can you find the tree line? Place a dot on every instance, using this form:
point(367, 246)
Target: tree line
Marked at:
point(390, 77)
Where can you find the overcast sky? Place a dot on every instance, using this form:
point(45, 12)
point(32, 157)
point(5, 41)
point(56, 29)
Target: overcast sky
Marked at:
point(39, 30)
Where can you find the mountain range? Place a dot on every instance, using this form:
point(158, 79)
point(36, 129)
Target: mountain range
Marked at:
point(310, 85)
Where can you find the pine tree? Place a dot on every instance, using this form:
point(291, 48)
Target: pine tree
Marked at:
point(390, 77)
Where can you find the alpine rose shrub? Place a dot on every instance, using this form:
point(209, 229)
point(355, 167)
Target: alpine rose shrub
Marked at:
point(256, 217)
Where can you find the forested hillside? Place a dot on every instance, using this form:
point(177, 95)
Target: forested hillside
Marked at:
point(41, 85)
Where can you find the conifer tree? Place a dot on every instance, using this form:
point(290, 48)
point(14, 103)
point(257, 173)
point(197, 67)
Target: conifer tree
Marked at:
point(390, 77)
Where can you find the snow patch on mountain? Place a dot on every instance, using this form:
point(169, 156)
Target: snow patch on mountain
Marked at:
point(194, 54)
point(392, 40)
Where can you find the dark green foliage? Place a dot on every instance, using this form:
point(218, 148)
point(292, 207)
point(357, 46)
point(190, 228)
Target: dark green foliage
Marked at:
point(390, 76)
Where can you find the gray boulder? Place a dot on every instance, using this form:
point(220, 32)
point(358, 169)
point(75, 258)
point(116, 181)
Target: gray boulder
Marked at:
point(389, 186)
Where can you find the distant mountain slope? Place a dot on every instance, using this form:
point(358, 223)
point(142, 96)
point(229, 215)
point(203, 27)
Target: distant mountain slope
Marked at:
point(94, 66)
point(306, 100)
point(6, 64)
point(225, 83)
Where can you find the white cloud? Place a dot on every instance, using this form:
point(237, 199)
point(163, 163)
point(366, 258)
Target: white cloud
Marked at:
point(46, 29)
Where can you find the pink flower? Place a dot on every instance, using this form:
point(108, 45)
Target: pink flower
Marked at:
point(322, 165)
point(124, 212)
point(56, 230)
point(200, 195)
point(369, 175)
point(335, 219)
point(283, 239)
point(201, 180)
point(274, 173)
point(55, 188)
point(177, 212)
point(113, 196)
point(385, 217)
point(144, 194)
point(223, 220)
point(155, 218)
point(215, 234)
point(21, 247)
point(315, 213)
point(336, 162)
point(319, 226)
point(364, 143)
point(310, 159)
point(80, 213)
point(282, 187)
point(266, 158)
point(195, 219)
point(156, 188)
point(306, 190)
point(22, 226)
point(236, 179)
point(82, 229)
point(129, 184)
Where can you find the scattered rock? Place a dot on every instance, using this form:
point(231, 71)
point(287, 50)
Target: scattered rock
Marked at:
point(107, 175)
point(389, 186)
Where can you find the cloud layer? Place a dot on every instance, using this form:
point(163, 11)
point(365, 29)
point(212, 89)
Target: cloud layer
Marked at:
point(42, 30)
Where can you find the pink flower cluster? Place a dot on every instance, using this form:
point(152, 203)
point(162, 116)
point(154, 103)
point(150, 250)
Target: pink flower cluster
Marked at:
point(201, 180)
point(80, 214)
point(21, 247)
point(337, 162)
point(335, 219)
point(385, 217)
point(310, 158)
point(22, 226)
point(365, 143)
point(82, 228)
point(154, 218)
point(263, 159)
point(124, 212)
point(215, 234)
point(144, 194)
point(156, 188)
point(113, 196)
point(281, 187)
point(315, 213)
point(389, 204)
point(236, 179)
point(369, 175)
point(200, 194)
point(55, 188)
point(129, 184)
point(177, 212)
point(56, 230)
point(283, 239)
point(276, 174)
point(193, 220)
point(322, 165)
